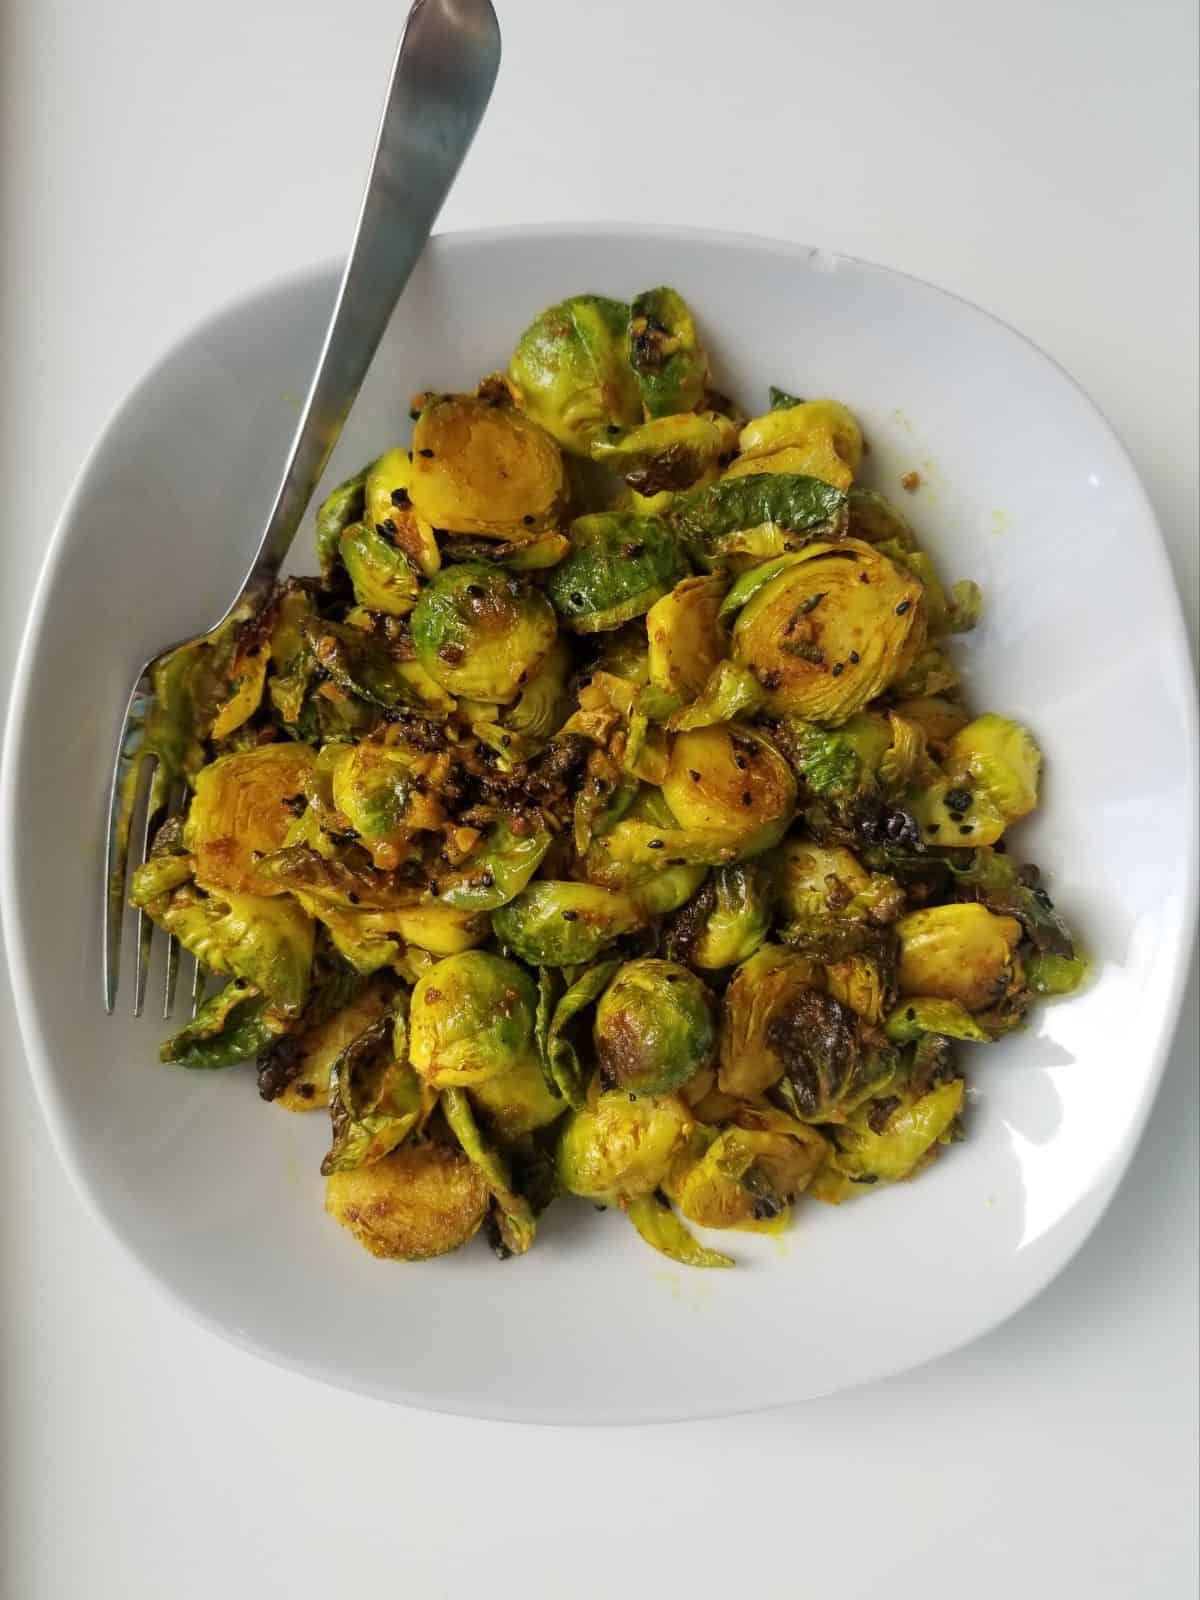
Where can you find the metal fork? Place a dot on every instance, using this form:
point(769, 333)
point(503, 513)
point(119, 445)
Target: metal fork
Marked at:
point(441, 82)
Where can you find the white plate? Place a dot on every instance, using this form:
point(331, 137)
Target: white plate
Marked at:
point(218, 1196)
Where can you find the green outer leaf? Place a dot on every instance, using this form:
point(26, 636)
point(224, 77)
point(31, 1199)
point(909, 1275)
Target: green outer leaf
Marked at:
point(1047, 974)
point(791, 500)
point(663, 1231)
point(233, 1026)
point(731, 692)
point(565, 1069)
point(619, 565)
point(338, 510)
point(381, 575)
point(748, 585)
point(375, 1097)
point(496, 873)
point(913, 1017)
point(516, 1219)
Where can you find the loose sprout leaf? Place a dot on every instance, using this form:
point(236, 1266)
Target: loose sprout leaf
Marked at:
point(663, 1231)
point(234, 1025)
point(375, 1098)
point(1011, 890)
point(566, 1069)
point(619, 565)
point(915, 1016)
point(702, 517)
point(665, 352)
point(515, 1215)
point(339, 509)
point(497, 871)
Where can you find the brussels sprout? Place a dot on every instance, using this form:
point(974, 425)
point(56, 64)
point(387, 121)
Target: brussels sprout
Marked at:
point(375, 1098)
point(1047, 975)
point(541, 708)
point(662, 1230)
point(382, 578)
point(831, 1060)
point(292, 662)
point(998, 760)
point(819, 882)
point(887, 1140)
point(686, 641)
point(480, 632)
point(338, 510)
point(571, 372)
point(618, 1148)
point(764, 988)
point(730, 782)
point(246, 673)
point(388, 510)
point(714, 522)
point(242, 807)
point(875, 520)
point(729, 692)
point(863, 983)
point(364, 666)
point(383, 791)
point(345, 881)
point(518, 1101)
point(234, 1025)
point(959, 952)
point(294, 1071)
point(472, 1019)
point(1014, 891)
point(265, 942)
point(564, 1068)
point(745, 1178)
point(563, 924)
point(731, 919)
point(515, 1220)
point(913, 1017)
point(817, 439)
point(496, 871)
point(654, 1027)
point(665, 352)
point(831, 632)
point(618, 567)
point(421, 1201)
point(668, 453)
point(484, 469)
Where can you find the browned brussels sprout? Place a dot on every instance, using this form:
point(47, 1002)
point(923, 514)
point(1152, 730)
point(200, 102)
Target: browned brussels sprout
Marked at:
point(481, 632)
point(665, 353)
point(654, 1028)
point(571, 372)
point(423, 1200)
point(471, 1020)
point(484, 469)
point(618, 1148)
point(243, 806)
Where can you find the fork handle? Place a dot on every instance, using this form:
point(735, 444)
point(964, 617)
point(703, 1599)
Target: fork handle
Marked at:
point(441, 82)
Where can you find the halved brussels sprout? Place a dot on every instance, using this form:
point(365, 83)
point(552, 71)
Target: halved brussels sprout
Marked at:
point(266, 942)
point(733, 916)
point(472, 1019)
point(234, 1025)
point(863, 983)
point(818, 882)
point(739, 521)
point(745, 1177)
point(886, 1140)
point(618, 1148)
point(999, 761)
point(668, 452)
point(572, 374)
point(765, 987)
point(831, 631)
point(730, 782)
point(387, 794)
point(665, 352)
point(243, 807)
point(562, 924)
point(959, 952)
point(654, 1027)
point(618, 567)
point(538, 712)
point(686, 640)
point(481, 632)
point(485, 469)
point(518, 1101)
point(832, 1061)
point(342, 506)
point(817, 438)
point(388, 510)
point(381, 575)
point(423, 1200)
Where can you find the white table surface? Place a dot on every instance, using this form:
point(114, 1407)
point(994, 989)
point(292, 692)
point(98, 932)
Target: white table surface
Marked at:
point(1037, 158)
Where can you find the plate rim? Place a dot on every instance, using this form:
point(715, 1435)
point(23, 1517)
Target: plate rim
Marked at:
point(16, 734)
